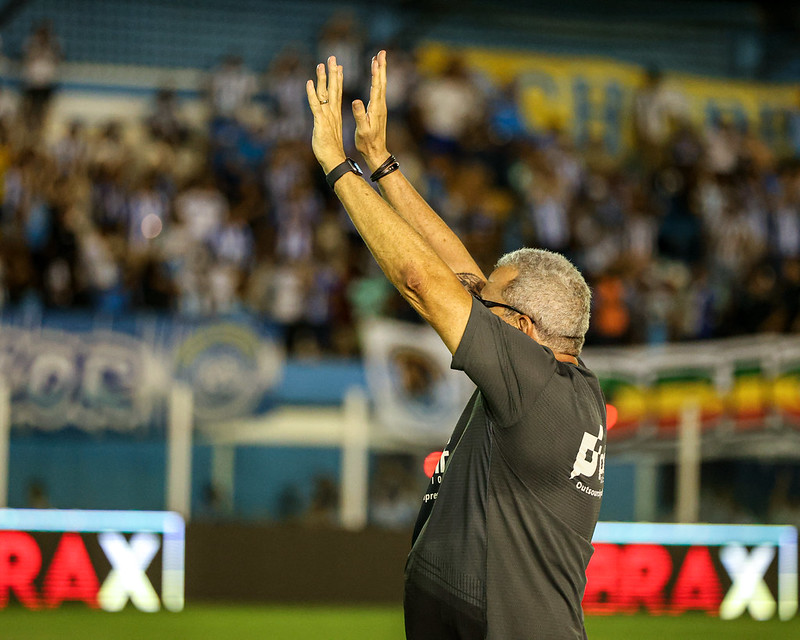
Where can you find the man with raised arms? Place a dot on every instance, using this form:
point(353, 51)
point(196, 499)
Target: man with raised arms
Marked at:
point(502, 541)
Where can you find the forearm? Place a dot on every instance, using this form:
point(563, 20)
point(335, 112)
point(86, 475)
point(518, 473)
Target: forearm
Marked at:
point(408, 260)
point(396, 190)
point(405, 257)
point(393, 241)
point(412, 207)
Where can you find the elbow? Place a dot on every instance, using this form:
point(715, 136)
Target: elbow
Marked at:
point(414, 284)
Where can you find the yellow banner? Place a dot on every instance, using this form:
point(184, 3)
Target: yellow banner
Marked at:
point(595, 96)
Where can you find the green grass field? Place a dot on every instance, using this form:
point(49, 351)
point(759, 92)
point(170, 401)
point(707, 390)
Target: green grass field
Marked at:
point(213, 622)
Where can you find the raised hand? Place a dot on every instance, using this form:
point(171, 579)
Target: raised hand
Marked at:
point(371, 122)
point(325, 101)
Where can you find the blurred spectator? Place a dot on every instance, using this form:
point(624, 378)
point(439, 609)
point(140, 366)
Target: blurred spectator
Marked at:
point(686, 147)
point(680, 236)
point(102, 271)
point(8, 110)
point(505, 117)
point(395, 496)
point(343, 37)
point(164, 121)
point(658, 109)
point(793, 128)
point(447, 105)
point(720, 505)
point(695, 307)
point(201, 208)
point(109, 151)
point(784, 504)
point(785, 238)
point(214, 504)
point(723, 147)
point(610, 313)
point(402, 79)
point(286, 82)
point(290, 504)
point(790, 295)
point(42, 55)
point(324, 509)
point(71, 151)
point(691, 236)
point(36, 495)
point(755, 308)
point(231, 91)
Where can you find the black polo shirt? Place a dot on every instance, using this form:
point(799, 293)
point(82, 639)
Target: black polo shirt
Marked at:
point(506, 523)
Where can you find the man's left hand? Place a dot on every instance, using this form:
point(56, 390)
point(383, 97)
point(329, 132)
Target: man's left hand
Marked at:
point(325, 101)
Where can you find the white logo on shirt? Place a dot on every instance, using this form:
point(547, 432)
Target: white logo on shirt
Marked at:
point(436, 477)
point(591, 457)
point(440, 466)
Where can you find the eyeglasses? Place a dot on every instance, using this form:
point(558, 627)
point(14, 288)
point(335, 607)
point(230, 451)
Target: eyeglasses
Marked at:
point(490, 304)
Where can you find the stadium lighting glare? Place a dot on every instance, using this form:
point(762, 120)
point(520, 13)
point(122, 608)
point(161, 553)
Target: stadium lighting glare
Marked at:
point(151, 226)
point(611, 416)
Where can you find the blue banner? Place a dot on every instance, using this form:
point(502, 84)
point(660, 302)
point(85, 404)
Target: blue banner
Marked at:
point(82, 371)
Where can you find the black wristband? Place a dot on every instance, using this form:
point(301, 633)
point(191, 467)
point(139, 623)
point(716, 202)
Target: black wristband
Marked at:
point(391, 164)
point(339, 170)
point(385, 164)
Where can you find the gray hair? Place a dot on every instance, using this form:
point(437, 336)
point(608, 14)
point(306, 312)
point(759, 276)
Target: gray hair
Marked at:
point(553, 293)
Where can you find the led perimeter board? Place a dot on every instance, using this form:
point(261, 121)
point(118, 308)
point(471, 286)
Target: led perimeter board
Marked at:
point(724, 570)
point(100, 558)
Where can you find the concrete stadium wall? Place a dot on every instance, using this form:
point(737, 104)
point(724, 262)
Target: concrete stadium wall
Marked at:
point(292, 564)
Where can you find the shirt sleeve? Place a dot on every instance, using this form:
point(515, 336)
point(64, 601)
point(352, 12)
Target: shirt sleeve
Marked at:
point(509, 368)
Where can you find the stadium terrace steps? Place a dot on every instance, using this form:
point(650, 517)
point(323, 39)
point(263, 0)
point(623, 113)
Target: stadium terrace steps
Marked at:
point(697, 37)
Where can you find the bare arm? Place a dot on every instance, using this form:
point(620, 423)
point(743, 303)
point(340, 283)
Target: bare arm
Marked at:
point(404, 198)
point(407, 259)
point(395, 188)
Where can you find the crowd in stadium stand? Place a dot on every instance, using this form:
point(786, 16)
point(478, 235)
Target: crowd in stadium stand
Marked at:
point(695, 234)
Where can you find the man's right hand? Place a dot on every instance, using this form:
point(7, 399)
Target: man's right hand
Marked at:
point(397, 191)
point(371, 122)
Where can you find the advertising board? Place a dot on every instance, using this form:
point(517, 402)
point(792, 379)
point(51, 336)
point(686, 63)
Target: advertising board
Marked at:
point(103, 559)
point(724, 570)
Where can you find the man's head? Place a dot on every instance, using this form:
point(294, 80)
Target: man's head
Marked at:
point(549, 290)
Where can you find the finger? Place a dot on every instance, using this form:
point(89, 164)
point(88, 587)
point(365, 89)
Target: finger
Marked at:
point(334, 88)
point(374, 88)
point(382, 75)
point(313, 100)
point(322, 84)
point(359, 113)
